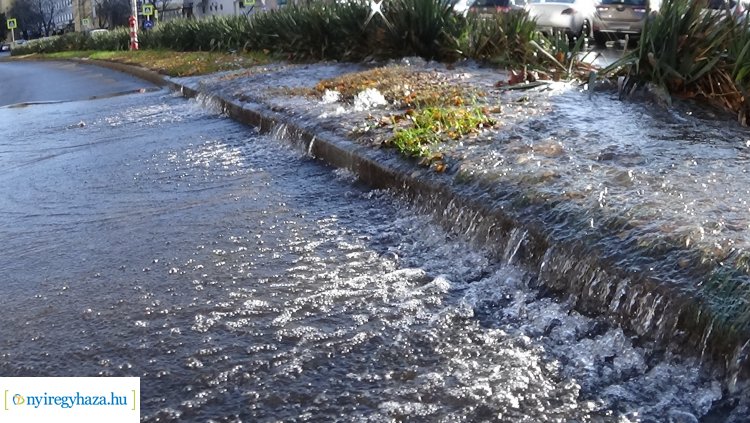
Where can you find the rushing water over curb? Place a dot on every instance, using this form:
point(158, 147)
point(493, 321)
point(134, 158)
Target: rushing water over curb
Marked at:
point(244, 282)
point(585, 183)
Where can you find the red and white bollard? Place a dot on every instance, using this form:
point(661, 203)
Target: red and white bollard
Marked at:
point(133, 21)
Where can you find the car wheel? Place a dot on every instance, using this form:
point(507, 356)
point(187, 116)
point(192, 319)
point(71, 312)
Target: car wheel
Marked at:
point(600, 39)
point(632, 42)
point(586, 29)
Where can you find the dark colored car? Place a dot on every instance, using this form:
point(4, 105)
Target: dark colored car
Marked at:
point(620, 18)
point(490, 7)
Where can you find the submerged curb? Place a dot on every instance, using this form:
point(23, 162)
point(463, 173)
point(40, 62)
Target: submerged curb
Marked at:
point(657, 312)
point(145, 74)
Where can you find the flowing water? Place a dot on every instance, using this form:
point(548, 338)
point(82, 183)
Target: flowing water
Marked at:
point(242, 281)
point(637, 211)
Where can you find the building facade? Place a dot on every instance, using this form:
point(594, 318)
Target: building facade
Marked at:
point(5, 6)
point(206, 8)
point(63, 18)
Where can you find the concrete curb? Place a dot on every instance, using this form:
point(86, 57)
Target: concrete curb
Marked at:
point(641, 304)
point(145, 74)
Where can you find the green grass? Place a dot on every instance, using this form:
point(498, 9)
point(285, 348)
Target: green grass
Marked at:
point(429, 126)
point(173, 63)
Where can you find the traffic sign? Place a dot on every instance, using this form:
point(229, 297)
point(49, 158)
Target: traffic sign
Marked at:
point(148, 10)
point(85, 22)
point(148, 24)
point(12, 23)
point(248, 3)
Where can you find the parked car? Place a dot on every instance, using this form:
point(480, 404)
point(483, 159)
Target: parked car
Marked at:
point(618, 18)
point(97, 32)
point(736, 9)
point(462, 7)
point(491, 7)
point(4, 47)
point(574, 17)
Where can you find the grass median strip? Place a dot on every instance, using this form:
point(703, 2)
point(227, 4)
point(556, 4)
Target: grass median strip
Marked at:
point(172, 63)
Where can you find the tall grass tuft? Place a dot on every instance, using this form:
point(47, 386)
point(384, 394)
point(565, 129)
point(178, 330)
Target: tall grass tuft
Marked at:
point(214, 34)
point(503, 38)
point(689, 53)
point(425, 28)
point(314, 32)
point(343, 31)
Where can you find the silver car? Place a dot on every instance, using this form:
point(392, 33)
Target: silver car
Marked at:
point(619, 18)
point(574, 17)
point(737, 9)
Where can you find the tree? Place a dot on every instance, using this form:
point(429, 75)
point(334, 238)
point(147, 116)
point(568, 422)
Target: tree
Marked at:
point(112, 13)
point(3, 28)
point(47, 12)
point(35, 17)
point(162, 6)
point(27, 17)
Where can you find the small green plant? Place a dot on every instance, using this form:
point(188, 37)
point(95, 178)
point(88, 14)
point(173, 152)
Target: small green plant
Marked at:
point(431, 125)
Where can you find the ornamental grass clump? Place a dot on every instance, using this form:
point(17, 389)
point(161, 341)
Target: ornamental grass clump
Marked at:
point(347, 31)
point(503, 38)
point(214, 34)
point(689, 53)
point(317, 31)
point(425, 28)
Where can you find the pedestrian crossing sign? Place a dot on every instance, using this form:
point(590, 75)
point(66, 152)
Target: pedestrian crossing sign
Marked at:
point(248, 3)
point(12, 23)
point(148, 9)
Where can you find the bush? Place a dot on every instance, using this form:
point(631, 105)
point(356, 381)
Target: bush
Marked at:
point(688, 53)
point(505, 38)
point(118, 39)
point(319, 31)
point(338, 31)
point(231, 33)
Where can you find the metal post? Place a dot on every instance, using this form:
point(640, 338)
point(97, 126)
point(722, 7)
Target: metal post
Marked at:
point(133, 31)
point(133, 21)
point(13, 35)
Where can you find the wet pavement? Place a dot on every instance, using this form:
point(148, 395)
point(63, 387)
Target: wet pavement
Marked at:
point(147, 235)
point(38, 81)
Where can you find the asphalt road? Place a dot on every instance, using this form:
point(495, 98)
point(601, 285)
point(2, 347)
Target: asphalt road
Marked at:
point(34, 82)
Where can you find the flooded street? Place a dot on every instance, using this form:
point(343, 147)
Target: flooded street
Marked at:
point(150, 236)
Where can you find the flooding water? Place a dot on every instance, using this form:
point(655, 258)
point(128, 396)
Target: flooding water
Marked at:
point(150, 236)
point(644, 207)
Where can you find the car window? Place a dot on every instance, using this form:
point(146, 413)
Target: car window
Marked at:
point(720, 4)
point(491, 3)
